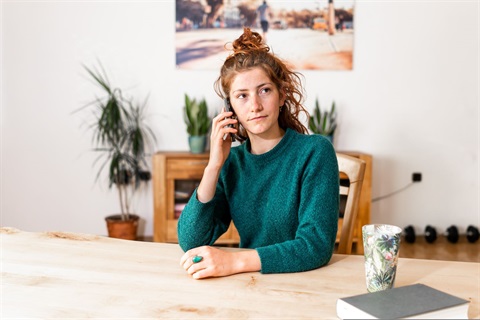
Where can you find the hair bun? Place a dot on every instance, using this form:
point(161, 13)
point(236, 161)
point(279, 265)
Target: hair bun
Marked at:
point(248, 41)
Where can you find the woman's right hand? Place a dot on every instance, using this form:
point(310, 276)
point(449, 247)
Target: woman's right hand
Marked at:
point(220, 147)
point(219, 150)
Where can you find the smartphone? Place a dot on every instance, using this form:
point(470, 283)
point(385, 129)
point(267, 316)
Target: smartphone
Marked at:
point(228, 108)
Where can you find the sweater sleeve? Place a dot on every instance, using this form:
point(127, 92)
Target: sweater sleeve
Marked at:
point(202, 223)
point(314, 241)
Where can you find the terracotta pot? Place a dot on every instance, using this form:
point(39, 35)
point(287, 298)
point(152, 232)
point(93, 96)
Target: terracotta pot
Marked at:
point(117, 228)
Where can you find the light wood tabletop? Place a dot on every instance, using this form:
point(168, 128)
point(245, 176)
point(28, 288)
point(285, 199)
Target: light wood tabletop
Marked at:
point(71, 275)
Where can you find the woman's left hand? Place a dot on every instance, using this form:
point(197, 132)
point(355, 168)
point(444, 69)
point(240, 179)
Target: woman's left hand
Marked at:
point(218, 263)
point(215, 262)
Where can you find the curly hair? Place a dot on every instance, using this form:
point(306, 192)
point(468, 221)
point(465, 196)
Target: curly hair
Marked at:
point(250, 52)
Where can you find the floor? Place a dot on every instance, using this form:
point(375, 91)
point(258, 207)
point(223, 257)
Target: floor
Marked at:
point(441, 249)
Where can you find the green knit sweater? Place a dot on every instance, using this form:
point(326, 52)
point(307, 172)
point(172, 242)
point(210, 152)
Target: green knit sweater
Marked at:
point(284, 203)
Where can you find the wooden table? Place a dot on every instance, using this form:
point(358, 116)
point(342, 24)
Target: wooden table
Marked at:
point(66, 275)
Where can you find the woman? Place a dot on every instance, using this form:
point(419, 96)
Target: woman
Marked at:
point(280, 186)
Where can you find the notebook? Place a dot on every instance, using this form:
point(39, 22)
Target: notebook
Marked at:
point(415, 301)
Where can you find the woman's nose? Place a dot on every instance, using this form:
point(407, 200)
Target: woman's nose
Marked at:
point(256, 103)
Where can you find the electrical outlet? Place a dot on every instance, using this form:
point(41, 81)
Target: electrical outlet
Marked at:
point(416, 177)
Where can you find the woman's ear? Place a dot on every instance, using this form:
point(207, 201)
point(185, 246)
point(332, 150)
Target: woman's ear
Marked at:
point(283, 97)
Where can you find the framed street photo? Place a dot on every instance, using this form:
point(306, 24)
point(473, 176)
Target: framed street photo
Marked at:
point(309, 35)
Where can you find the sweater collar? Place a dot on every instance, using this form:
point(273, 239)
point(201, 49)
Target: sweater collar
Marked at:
point(278, 150)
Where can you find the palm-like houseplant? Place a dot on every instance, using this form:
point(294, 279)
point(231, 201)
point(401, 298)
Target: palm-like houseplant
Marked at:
point(323, 122)
point(195, 115)
point(123, 140)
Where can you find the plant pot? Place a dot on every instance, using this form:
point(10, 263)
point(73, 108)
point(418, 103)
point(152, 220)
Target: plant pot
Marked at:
point(197, 143)
point(118, 228)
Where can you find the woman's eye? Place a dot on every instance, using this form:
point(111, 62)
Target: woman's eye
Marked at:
point(265, 90)
point(241, 96)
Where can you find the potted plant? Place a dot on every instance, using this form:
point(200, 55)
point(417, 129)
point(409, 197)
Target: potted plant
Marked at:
point(195, 115)
point(323, 122)
point(123, 140)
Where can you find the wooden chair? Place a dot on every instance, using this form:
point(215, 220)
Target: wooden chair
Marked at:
point(353, 169)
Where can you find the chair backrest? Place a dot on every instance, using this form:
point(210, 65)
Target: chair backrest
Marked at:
point(354, 169)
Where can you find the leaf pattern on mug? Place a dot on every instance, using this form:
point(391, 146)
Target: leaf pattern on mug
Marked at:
point(381, 246)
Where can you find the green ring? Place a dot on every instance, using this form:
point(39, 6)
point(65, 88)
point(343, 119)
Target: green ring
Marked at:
point(197, 259)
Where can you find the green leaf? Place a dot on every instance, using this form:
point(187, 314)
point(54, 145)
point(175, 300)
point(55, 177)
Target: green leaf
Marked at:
point(195, 115)
point(325, 122)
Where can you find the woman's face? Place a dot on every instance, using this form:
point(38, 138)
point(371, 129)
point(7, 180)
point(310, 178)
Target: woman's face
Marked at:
point(256, 101)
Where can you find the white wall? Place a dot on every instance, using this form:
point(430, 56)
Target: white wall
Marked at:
point(411, 101)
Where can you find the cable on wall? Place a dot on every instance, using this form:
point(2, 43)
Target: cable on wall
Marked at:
point(393, 193)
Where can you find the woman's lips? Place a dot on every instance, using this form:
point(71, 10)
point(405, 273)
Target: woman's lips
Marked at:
point(257, 118)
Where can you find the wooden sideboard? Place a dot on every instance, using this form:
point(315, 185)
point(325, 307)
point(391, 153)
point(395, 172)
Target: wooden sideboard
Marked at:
point(177, 174)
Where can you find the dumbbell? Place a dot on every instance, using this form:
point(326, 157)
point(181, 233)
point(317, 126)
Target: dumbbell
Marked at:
point(452, 234)
point(472, 234)
point(430, 234)
point(409, 232)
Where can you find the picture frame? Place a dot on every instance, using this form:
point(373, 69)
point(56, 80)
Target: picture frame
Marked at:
point(308, 35)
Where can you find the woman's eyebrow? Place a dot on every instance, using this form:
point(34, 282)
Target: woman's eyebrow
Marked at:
point(257, 87)
point(264, 84)
point(239, 90)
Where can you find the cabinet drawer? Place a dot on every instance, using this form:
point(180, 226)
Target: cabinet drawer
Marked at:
point(186, 168)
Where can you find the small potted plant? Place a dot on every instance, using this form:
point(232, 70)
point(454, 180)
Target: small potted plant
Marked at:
point(124, 141)
point(195, 115)
point(323, 122)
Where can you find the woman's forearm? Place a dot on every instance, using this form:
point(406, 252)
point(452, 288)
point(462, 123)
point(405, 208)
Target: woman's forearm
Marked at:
point(208, 184)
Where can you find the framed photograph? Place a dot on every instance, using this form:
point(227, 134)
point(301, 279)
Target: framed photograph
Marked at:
point(308, 35)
